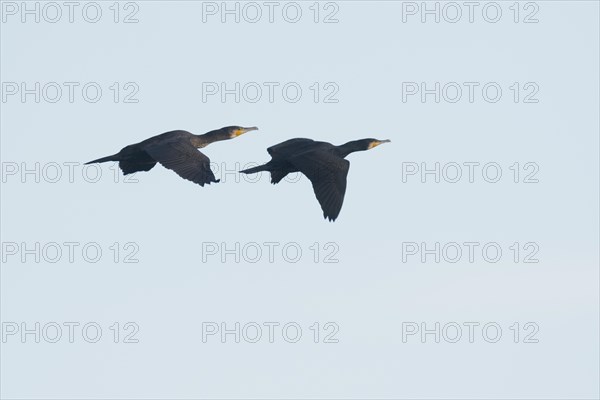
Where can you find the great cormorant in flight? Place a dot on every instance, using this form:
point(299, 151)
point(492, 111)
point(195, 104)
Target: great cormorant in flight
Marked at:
point(323, 163)
point(175, 150)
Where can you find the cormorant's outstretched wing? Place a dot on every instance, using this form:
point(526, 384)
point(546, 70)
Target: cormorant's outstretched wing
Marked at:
point(328, 174)
point(183, 158)
point(141, 161)
point(292, 146)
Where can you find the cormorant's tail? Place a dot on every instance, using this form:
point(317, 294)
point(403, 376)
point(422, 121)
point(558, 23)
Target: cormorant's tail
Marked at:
point(277, 174)
point(255, 169)
point(114, 157)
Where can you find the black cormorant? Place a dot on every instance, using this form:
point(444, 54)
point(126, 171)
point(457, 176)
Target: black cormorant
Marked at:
point(322, 162)
point(175, 150)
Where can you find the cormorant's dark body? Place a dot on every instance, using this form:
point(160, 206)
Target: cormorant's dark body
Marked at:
point(175, 150)
point(323, 163)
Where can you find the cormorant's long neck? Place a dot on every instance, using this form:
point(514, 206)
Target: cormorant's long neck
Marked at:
point(210, 137)
point(350, 147)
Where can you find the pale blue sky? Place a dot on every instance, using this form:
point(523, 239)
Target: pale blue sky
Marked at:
point(368, 54)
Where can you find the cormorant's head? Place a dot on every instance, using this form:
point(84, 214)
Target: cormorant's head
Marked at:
point(375, 142)
point(235, 131)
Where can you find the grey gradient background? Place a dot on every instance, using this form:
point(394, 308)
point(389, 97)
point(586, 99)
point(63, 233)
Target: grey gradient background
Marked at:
point(370, 292)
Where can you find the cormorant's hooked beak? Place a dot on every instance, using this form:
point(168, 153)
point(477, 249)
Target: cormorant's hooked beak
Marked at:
point(241, 131)
point(376, 143)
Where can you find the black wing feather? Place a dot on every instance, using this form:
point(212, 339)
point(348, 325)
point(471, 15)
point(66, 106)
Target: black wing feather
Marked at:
point(141, 161)
point(328, 174)
point(183, 158)
point(289, 147)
